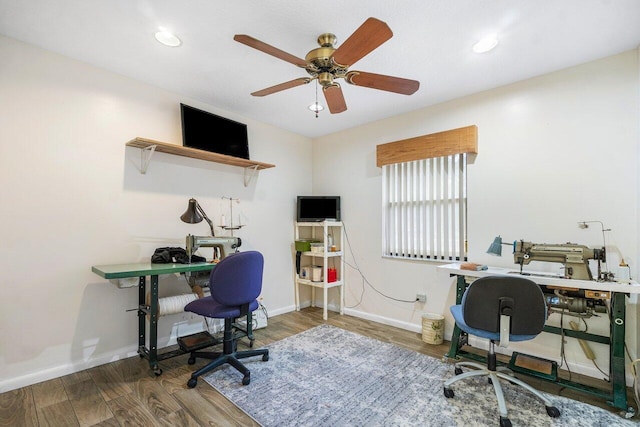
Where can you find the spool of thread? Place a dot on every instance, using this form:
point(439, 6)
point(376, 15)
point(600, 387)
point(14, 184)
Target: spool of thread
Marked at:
point(174, 304)
point(624, 275)
point(316, 273)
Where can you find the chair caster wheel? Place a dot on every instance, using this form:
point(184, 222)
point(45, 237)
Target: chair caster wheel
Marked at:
point(246, 380)
point(191, 360)
point(457, 370)
point(448, 393)
point(251, 344)
point(505, 422)
point(157, 372)
point(192, 382)
point(552, 411)
point(265, 357)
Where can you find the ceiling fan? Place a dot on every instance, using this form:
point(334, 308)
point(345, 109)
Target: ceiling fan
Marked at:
point(326, 64)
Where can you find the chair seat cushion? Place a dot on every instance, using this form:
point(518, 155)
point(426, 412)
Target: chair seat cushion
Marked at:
point(456, 311)
point(209, 307)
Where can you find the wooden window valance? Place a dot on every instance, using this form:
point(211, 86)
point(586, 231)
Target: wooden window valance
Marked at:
point(455, 141)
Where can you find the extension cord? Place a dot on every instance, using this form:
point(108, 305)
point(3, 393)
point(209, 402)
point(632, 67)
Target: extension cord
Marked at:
point(585, 346)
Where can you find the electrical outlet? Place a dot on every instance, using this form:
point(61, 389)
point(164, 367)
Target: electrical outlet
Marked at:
point(421, 297)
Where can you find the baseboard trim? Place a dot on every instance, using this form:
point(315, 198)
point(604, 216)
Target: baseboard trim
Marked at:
point(62, 370)
point(66, 369)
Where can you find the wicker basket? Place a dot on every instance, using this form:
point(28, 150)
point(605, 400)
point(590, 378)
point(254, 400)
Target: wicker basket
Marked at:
point(432, 328)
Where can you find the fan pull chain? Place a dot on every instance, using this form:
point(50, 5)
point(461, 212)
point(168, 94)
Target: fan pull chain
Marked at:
point(317, 109)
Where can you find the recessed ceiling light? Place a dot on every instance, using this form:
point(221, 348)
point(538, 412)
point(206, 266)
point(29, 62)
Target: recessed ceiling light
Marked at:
point(486, 44)
point(167, 38)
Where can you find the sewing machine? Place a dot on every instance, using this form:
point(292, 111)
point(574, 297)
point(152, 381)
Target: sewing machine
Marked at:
point(222, 246)
point(574, 257)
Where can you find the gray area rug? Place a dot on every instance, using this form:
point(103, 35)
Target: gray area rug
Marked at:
point(327, 376)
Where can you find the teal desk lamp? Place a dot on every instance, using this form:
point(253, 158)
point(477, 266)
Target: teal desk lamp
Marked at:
point(496, 247)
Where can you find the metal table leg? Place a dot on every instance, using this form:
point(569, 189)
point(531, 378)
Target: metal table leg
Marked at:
point(616, 351)
point(153, 327)
point(461, 286)
point(142, 290)
point(150, 352)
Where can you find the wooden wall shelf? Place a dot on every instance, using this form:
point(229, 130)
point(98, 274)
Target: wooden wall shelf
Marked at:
point(149, 146)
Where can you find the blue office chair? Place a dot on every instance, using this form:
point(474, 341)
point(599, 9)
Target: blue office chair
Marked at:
point(235, 283)
point(501, 309)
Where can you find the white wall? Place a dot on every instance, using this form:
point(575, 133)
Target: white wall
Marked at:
point(552, 151)
point(73, 197)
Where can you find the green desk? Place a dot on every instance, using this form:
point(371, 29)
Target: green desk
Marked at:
point(142, 270)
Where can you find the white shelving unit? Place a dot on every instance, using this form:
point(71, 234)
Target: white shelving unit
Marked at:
point(327, 259)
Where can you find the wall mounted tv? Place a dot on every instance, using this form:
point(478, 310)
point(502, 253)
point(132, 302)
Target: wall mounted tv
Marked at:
point(209, 132)
point(318, 208)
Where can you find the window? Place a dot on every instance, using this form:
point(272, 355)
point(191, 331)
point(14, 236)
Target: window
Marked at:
point(424, 193)
point(425, 208)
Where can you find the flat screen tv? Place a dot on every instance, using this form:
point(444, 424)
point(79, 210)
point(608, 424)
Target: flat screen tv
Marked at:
point(318, 208)
point(209, 132)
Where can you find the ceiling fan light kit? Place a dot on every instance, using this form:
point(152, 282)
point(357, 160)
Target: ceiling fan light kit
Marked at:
point(316, 107)
point(326, 64)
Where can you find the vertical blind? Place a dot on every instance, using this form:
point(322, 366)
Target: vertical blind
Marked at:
point(425, 208)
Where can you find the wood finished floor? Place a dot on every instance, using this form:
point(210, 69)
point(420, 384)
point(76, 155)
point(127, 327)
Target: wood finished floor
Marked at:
point(127, 393)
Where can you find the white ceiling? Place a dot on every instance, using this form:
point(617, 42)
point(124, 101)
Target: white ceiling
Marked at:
point(431, 43)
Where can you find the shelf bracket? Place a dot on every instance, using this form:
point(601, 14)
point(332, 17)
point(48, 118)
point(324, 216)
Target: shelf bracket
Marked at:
point(145, 157)
point(253, 168)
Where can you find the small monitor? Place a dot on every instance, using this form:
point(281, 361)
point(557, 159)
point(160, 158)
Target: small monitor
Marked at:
point(318, 208)
point(209, 132)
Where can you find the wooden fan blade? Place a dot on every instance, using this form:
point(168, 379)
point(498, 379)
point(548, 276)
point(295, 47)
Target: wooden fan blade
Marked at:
point(282, 86)
point(273, 51)
point(335, 98)
point(371, 34)
point(382, 82)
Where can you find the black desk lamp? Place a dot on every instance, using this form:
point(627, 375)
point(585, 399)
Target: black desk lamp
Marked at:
point(194, 214)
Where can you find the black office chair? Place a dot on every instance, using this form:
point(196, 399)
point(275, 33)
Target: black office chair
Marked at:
point(235, 283)
point(501, 309)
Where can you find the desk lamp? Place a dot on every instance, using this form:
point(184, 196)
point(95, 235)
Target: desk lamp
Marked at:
point(496, 247)
point(194, 214)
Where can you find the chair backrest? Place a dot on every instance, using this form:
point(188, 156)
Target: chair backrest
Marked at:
point(237, 279)
point(489, 297)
